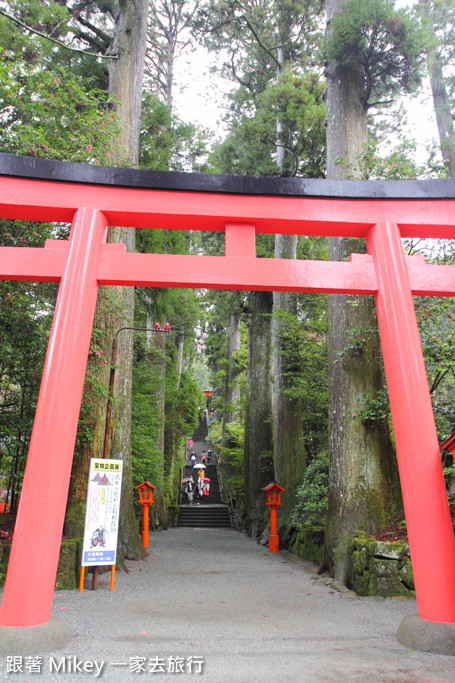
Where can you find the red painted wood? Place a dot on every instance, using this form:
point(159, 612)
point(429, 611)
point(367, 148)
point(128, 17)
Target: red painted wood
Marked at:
point(170, 270)
point(30, 580)
point(45, 200)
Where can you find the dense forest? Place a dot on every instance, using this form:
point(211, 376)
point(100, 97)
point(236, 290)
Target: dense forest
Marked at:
point(315, 89)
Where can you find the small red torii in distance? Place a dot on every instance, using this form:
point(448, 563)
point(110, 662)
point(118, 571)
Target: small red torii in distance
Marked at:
point(93, 198)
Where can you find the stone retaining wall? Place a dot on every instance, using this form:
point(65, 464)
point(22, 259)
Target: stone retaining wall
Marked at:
point(68, 565)
point(376, 568)
point(380, 568)
point(308, 544)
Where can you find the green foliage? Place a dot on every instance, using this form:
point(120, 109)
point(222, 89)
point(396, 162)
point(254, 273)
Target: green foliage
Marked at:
point(168, 144)
point(250, 148)
point(201, 374)
point(238, 156)
point(303, 343)
point(26, 312)
point(438, 16)
point(375, 409)
point(235, 432)
point(435, 317)
point(147, 459)
point(95, 385)
point(181, 406)
point(387, 43)
point(247, 36)
point(313, 494)
point(357, 337)
point(50, 114)
point(45, 113)
point(49, 17)
point(231, 451)
point(265, 50)
point(216, 306)
point(180, 416)
point(399, 164)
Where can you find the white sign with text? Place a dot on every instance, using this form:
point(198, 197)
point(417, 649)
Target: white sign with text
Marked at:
point(102, 512)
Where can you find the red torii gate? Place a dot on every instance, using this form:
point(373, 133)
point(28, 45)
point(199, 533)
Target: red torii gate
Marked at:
point(382, 212)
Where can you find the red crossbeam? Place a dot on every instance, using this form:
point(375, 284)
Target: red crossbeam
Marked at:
point(117, 267)
point(138, 208)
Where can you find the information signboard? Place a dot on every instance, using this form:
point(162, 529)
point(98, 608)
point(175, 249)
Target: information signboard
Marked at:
point(102, 512)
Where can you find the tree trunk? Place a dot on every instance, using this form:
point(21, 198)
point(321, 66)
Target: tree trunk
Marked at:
point(363, 477)
point(231, 388)
point(258, 454)
point(231, 408)
point(126, 73)
point(179, 342)
point(443, 111)
point(288, 449)
point(441, 102)
point(158, 405)
point(125, 82)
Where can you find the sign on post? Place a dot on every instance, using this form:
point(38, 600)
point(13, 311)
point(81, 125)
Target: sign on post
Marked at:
point(102, 513)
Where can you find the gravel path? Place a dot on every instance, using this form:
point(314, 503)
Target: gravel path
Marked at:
point(216, 601)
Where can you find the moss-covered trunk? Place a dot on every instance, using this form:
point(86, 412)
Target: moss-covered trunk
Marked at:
point(258, 455)
point(158, 405)
point(289, 451)
point(125, 83)
point(231, 397)
point(363, 477)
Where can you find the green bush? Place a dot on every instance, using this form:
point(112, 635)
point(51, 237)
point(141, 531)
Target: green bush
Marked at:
point(313, 494)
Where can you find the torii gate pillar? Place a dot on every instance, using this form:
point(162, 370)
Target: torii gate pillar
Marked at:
point(418, 453)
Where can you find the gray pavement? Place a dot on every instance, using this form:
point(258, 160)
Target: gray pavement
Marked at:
point(216, 601)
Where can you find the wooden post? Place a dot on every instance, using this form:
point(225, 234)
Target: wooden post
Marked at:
point(274, 541)
point(145, 525)
point(81, 579)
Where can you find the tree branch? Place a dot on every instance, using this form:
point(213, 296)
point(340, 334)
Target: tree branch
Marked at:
point(259, 42)
point(438, 379)
point(54, 40)
point(101, 35)
point(237, 78)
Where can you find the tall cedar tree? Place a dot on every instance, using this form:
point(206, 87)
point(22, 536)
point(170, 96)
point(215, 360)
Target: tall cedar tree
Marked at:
point(116, 30)
point(439, 16)
point(372, 53)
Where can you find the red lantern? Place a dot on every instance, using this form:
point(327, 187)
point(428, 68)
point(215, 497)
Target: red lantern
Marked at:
point(145, 498)
point(273, 500)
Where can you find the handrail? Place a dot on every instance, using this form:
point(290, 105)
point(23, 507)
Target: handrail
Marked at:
point(229, 502)
point(179, 496)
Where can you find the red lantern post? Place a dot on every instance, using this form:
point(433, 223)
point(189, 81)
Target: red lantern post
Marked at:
point(145, 498)
point(273, 500)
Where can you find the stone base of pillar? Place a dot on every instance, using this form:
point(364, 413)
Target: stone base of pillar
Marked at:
point(30, 640)
point(428, 636)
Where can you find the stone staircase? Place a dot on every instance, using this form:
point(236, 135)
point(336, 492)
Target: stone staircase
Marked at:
point(201, 432)
point(211, 512)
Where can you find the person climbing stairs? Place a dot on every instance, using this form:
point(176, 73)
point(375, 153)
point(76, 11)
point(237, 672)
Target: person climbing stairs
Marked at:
point(209, 511)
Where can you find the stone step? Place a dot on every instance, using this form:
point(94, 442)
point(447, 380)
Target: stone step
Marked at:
point(201, 515)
